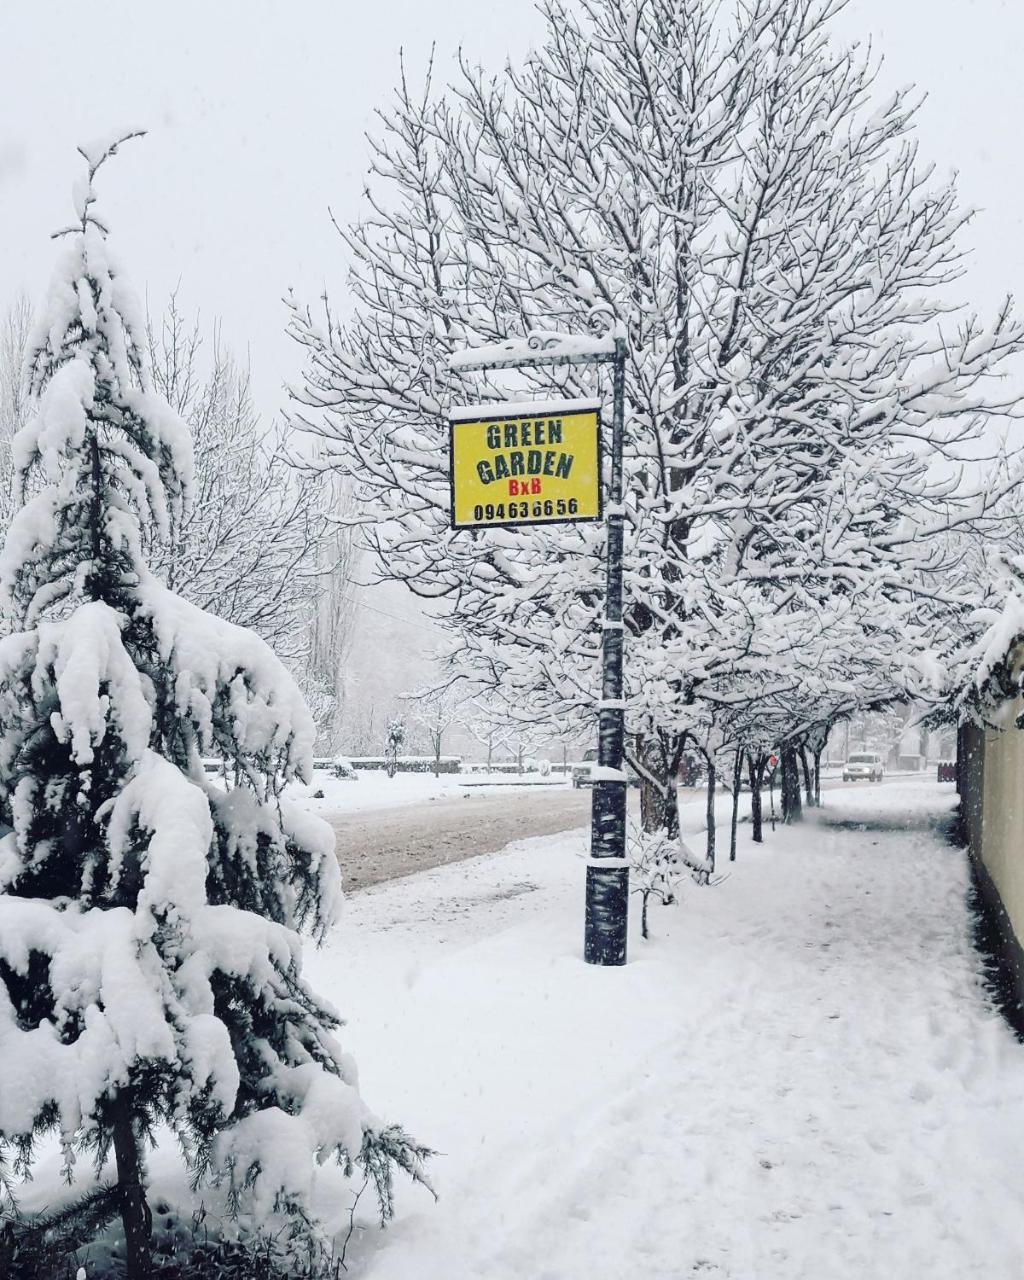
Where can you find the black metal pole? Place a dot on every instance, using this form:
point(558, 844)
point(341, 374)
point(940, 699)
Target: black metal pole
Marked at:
point(607, 904)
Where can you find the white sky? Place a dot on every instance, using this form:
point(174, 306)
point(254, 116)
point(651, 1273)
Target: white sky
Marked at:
point(966, 56)
point(257, 111)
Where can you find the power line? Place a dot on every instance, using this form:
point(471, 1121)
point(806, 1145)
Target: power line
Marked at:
point(408, 622)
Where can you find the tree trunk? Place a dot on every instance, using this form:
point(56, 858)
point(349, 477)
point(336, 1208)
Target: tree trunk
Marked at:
point(808, 781)
point(135, 1212)
point(659, 800)
point(659, 806)
point(712, 777)
point(671, 806)
point(755, 768)
point(652, 805)
point(817, 779)
point(737, 783)
point(792, 809)
point(437, 755)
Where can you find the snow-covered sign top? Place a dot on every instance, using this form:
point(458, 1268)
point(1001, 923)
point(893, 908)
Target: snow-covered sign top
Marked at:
point(521, 408)
point(537, 343)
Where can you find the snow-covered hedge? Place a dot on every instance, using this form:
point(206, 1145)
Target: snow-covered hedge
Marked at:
point(410, 764)
point(510, 766)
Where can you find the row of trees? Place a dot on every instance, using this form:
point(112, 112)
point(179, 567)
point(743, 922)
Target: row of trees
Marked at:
point(809, 470)
point(432, 715)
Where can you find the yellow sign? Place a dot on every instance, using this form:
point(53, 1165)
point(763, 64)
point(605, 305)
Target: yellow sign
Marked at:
point(526, 464)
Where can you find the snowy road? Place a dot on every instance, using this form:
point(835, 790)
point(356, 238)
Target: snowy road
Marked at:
point(799, 1078)
point(416, 834)
point(382, 845)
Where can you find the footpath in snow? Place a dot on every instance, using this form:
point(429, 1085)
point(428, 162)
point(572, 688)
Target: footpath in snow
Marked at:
point(799, 1076)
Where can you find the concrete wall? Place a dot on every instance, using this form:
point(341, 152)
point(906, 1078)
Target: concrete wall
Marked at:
point(990, 777)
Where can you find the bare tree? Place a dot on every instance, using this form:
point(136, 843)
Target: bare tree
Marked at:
point(435, 711)
point(491, 728)
point(251, 546)
point(264, 544)
point(331, 617)
point(15, 329)
point(730, 192)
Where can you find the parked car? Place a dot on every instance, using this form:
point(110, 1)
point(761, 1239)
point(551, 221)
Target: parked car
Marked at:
point(863, 765)
point(582, 773)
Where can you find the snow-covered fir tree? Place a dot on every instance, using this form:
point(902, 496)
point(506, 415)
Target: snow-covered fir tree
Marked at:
point(150, 960)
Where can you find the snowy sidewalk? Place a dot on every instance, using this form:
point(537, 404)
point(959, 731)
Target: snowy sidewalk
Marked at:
point(799, 1076)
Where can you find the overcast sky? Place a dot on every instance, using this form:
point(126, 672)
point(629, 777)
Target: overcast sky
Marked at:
point(257, 111)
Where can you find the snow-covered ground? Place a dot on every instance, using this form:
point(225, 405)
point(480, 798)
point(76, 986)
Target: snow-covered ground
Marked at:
point(375, 790)
point(799, 1076)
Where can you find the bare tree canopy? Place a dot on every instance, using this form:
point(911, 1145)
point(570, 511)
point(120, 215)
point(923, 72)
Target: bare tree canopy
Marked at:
point(806, 413)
